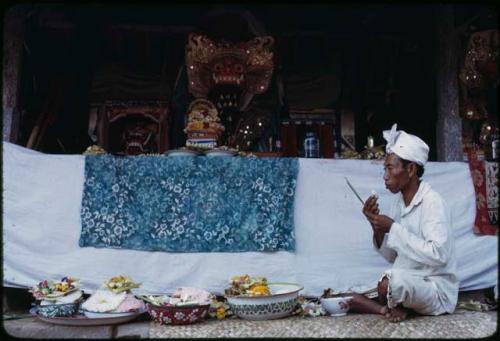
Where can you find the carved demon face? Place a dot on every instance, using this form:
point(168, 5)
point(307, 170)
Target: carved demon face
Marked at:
point(228, 70)
point(248, 65)
point(229, 75)
point(139, 138)
point(228, 81)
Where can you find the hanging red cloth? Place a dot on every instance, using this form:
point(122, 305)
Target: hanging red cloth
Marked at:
point(485, 179)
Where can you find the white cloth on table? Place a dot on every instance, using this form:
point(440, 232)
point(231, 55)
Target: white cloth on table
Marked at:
point(42, 196)
point(421, 246)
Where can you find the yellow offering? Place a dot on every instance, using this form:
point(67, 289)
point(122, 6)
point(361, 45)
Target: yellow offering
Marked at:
point(121, 283)
point(248, 286)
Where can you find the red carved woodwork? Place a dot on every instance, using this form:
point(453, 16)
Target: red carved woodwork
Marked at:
point(133, 127)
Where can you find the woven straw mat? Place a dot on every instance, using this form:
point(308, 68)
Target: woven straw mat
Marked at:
point(461, 324)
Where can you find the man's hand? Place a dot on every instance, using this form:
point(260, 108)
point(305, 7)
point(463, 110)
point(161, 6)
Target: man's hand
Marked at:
point(380, 223)
point(371, 206)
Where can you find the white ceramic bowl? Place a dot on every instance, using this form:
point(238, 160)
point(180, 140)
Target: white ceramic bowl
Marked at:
point(336, 306)
point(281, 303)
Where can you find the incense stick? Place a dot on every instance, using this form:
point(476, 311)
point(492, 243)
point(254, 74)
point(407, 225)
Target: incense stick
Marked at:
point(354, 191)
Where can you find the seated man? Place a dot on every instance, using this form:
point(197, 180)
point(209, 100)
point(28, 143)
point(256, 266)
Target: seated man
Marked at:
point(416, 237)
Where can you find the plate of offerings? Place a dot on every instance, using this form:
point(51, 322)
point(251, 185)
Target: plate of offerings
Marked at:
point(185, 306)
point(57, 298)
point(253, 298)
point(113, 299)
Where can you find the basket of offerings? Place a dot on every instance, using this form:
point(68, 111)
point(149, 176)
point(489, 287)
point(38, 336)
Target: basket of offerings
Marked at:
point(185, 306)
point(57, 299)
point(253, 298)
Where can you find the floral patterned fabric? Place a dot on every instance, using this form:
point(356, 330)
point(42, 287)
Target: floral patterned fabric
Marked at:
point(189, 204)
point(492, 195)
point(485, 178)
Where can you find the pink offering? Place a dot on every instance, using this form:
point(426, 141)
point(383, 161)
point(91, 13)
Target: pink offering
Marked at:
point(195, 295)
point(186, 305)
point(130, 303)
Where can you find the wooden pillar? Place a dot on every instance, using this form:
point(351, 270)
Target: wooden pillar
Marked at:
point(13, 37)
point(449, 123)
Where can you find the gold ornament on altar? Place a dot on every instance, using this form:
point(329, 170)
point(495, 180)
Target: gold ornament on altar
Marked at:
point(94, 150)
point(203, 128)
point(371, 152)
point(480, 64)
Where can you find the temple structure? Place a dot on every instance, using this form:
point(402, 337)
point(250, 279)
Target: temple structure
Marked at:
point(123, 77)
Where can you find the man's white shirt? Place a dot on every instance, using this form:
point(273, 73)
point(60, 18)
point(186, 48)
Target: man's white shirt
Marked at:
point(421, 242)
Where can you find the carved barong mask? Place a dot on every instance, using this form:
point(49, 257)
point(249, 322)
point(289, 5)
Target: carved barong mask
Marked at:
point(133, 128)
point(140, 138)
point(247, 66)
point(229, 74)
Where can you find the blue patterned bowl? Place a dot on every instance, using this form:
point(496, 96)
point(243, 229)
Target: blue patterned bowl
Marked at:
point(281, 303)
point(57, 310)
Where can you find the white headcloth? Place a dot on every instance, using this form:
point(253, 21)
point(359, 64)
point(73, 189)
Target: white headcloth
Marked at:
point(406, 146)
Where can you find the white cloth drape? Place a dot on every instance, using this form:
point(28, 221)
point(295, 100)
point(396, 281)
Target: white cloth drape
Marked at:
point(41, 227)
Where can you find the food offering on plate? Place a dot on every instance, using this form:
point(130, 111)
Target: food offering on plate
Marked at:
point(121, 283)
point(309, 307)
point(329, 292)
point(57, 299)
point(246, 285)
point(219, 308)
point(185, 306)
point(204, 127)
point(113, 299)
point(183, 296)
point(253, 298)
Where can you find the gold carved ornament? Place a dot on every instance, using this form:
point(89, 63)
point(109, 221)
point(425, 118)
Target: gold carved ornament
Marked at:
point(481, 59)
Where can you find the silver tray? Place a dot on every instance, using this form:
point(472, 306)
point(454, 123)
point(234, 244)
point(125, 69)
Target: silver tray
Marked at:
point(181, 152)
point(220, 152)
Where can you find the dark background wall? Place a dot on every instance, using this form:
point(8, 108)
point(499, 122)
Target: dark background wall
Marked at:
point(383, 57)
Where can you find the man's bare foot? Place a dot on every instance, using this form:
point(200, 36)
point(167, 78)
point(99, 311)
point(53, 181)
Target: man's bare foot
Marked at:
point(362, 304)
point(385, 311)
point(397, 314)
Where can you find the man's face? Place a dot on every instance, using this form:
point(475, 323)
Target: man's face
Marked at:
point(395, 175)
